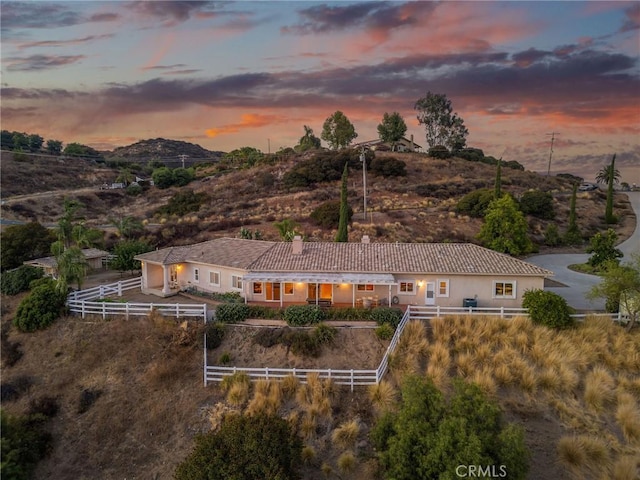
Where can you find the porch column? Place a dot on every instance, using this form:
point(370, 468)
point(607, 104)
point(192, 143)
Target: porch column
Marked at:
point(166, 288)
point(353, 295)
point(281, 293)
point(389, 296)
point(144, 270)
point(317, 293)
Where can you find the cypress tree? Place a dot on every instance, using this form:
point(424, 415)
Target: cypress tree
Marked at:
point(608, 216)
point(343, 235)
point(498, 184)
point(573, 236)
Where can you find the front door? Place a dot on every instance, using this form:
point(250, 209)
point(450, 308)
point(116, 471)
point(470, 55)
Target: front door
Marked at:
point(273, 291)
point(430, 294)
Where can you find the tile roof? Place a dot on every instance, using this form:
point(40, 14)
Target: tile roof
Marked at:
point(261, 256)
point(228, 252)
point(452, 258)
point(89, 253)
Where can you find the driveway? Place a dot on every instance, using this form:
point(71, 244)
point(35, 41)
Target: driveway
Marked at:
point(578, 284)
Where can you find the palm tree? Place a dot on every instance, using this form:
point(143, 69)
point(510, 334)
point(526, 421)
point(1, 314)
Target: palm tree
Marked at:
point(126, 227)
point(287, 229)
point(605, 174)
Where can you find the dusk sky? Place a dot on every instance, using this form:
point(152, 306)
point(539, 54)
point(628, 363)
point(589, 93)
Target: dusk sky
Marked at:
point(231, 74)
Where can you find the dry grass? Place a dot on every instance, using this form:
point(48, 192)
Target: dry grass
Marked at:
point(599, 389)
point(383, 396)
point(346, 434)
point(238, 394)
point(347, 462)
point(484, 379)
point(583, 455)
point(440, 376)
point(308, 454)
point(626, 467)
point(628, 417)
point(439, 355)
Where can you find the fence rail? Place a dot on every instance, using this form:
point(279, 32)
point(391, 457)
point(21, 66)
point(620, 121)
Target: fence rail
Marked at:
point(102, 291)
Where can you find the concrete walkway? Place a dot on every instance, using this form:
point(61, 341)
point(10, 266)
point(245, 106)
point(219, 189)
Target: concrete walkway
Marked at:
point(579, 284)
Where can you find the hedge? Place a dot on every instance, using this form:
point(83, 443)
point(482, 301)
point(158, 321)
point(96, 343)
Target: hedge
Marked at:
point(298, 315)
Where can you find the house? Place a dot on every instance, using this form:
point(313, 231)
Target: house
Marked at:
point(95, 258)
point(402, 145)
point(350, 274)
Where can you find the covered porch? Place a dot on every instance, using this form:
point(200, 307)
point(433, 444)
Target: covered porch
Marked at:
point(365, 290)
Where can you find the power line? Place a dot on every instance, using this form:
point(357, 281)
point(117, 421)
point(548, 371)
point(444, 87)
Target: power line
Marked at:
point(553, 137)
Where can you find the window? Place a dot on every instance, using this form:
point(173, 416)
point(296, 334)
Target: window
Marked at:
point(365, 288)
point(443, 288)
point(406, 288)
point(257, 288)
point(236, 282)
point(196, 274)
point(288, 288)
point(504, 289)
point(214, 278)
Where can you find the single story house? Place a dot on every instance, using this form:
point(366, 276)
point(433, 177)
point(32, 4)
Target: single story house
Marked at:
point(350, 274)
point(402, 145)
point(95, 258)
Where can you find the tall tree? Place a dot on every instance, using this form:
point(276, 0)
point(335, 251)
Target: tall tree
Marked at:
point(392, 128)
point(497, 188)
point(24, 242)
point(573, 235)
point(505, 228)
point(442, 125)
point(308, 141)
point(54, 147)
point(338, 131)
point(608, 215)
point(35, 142)
point(343, 235)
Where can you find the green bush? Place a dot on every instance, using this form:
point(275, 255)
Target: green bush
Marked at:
point(19, 280)
point(387, 315)
point(324, 167)
point(41, 307)
point(302, 343)
point(385, 331)
point(298, 315)
point(388, 167)
point(324, 334)
point(267, 313)
point(232, 312)
point(215, 332)
point(227, 297)
point(603, 249)
point(439, 151)
point(134, 190)
point(475, 203)
point(245, 447)
point(24, 443)
point(548, 308)
point(164, 177)
point(183, 202)
point(348, 314)
point(537, 203)
point(327, 215)
point(552, 235)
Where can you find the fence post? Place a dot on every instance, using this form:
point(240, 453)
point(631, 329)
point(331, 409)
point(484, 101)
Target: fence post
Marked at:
point(126, 310)
point(82, 308)
point(120, 288)
point(352, 379)
point(266, 372)
point(104, 310)
point(502, 312)
point(205, 358)
point(438, 311)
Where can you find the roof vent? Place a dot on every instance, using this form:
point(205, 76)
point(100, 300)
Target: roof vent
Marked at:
point(365, 239)
point(296, 245)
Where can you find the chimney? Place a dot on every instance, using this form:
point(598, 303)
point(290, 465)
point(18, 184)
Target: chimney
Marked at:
point(296, 245)
point(413, 148)
point(365, 239)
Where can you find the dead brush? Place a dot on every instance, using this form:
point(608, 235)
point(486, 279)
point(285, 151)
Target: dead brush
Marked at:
point(549, 380)
point(520, 325)
point(626, 467)
point(347, 462)
point(439, 355)
point(439, 376)
point(465, 365)
point(440, 330)
point(628, 418)
point(382, 395)
point(238, 394)
point(484, 379)
point(583, 455)
point(308, 427)
point(290, 385)
point(346, 434)
point(482, 354)
point(599, 389)
point(308, 454)
point(414, 338)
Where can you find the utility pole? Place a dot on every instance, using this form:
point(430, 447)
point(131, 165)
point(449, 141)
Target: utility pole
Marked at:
point(183, 157)
point(364, 182)
point(553, 137)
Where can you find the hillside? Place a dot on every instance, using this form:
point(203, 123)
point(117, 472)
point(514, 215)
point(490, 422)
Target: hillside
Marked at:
point(161, 148)
point(418, 207)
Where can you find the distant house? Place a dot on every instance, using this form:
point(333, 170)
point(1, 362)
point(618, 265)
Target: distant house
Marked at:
point(95, 260)
point(402, 145)
point(351, 274)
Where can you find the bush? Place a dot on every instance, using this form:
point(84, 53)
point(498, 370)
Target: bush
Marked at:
point(183, 202)
point(327, 215)
point(298, 315)
point(45, 406)
point(552, 235)
point(18, 280)
point(388, 167)
point(257, 446)
point(41, 307)
point(164, 177)
point(548, 308)
point(267, 313)
point(88, 397)
point(232, 312)
point(215, 332)
point(324, 334)
point(603, 249)
point(439, 151)
point(387, 315)
point(349, 314)
point(385, 331)
point(24, 443)
point(302, 343)
point(537, 203)
point(134, 190)
point(323, 167)
point(476, 203)
point(227, 297)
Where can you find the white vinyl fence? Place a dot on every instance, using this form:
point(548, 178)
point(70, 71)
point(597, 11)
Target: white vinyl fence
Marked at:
point(84, 303)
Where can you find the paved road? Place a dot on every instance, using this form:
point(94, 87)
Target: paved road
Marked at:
point(578, 284)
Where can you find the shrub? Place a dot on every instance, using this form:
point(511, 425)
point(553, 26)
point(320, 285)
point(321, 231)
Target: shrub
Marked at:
point(476, 203)
point(164, 177)
point(323, 167)
point(88, 397)
point(548, 308)
point(183, 202)
point(46, 406)
point(24, 443)
point(327, 215)
point(257, 446)
point(268, 313)
point(603, 249)
point(348, 314)
point(324, 334)
point(40, 308)
point(387, 315)
point(439, 151)
point(385, 331)
point(134, 190)
point(537, 203)
point(232, 312)
point(18, 280)
point(298, 315)
point(302, 343)
point(227, 297)
point(215, 332)
point(552, 235)
point(388, 167)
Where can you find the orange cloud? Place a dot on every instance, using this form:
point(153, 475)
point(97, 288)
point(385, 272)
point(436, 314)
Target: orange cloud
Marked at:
point(247, 120)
